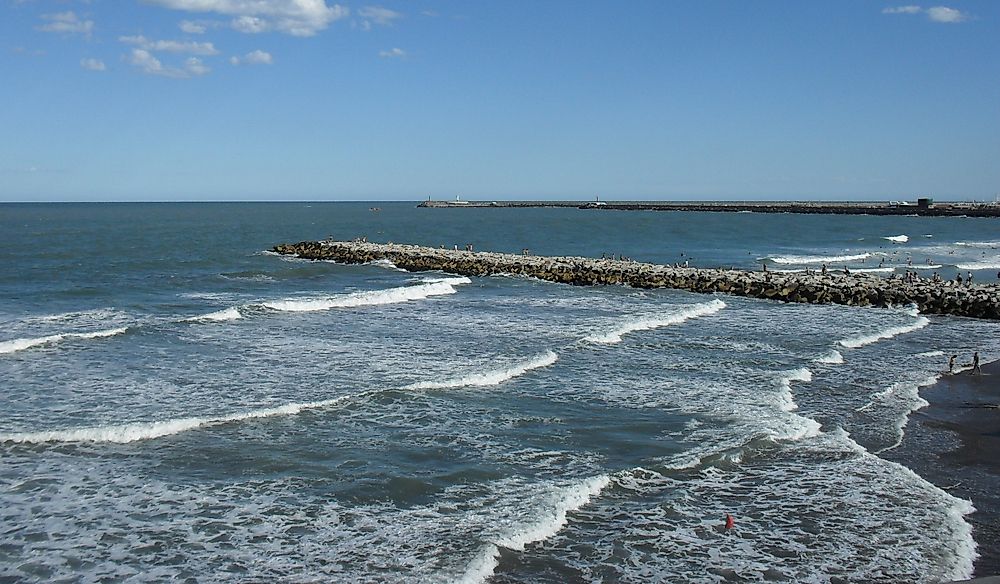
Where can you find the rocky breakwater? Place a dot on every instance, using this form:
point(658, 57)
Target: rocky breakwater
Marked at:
point(979, 301)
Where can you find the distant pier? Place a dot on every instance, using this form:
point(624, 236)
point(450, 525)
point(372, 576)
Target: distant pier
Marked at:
point(978, 301)
point(812, 208)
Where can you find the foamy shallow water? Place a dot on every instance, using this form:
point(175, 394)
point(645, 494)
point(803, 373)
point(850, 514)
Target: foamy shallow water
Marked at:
point(356, 423)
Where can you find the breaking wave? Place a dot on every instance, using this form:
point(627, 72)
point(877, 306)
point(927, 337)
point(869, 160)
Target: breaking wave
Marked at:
point(653, 322)
point(488, 378)
point(550, 519)
point(431, 287)
point(832, 358)
point(123, 433)
point(26, 343)
point(794, 259)
point(231, 313)
point(897, 238)
point(863, 340)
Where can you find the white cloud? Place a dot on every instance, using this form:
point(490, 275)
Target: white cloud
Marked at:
point(149, 64)
point(295, 17)
point(393, 53)
point(93, 64)
point(945, 14)
point(903, 10)
point(934, 13)
point(250, 24)
point(66, 23)
point(192, 27)
point(170, 46)
point(257, 57)
point(194, 66)
point(378, 15)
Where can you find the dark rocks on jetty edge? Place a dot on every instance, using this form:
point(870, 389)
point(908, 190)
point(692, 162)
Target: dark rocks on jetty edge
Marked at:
point(979, 301)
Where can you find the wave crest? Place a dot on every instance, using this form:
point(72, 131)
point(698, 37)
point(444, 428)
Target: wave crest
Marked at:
point(649, 323)
point(431, 287)
point(15, 345)
point(863, 340)
point(488, 378)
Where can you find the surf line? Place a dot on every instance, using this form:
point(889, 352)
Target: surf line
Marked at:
point(851, 289)
point(136, 431)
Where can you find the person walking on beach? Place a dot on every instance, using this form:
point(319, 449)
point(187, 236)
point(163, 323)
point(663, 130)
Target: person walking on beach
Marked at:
point(951, 363)
point(975, 364)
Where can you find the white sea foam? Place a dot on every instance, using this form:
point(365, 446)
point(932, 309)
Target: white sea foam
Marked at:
point(987, 265)
point(832, 358)
point(931, 354)
point(873, 270)
point(863, 340)
point(430, 287)
point(122, 433)
point(486, 378)
point(231, 313)
point(983, 244)
point(897, 238)
point(653, 322)
point(25, 343)
point(818, 259)
point(549, 520)
point(785, 380)
point(384, 263)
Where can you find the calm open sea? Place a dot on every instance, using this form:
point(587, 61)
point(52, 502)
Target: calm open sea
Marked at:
point(177, 402)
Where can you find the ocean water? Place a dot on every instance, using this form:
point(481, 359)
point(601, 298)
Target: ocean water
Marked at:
point(179, 403)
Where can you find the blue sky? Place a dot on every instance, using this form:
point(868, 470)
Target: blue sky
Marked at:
point(544, 99)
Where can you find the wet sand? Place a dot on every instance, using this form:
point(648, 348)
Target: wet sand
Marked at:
point(955, 443)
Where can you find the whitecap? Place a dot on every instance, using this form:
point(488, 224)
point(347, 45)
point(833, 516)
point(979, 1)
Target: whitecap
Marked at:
point(863, 340)
point(818, 259)
point(550, 519)
point(487, 378)
point(132, 432)
point(15, 345)
point(231, 313)
point(897, 238)
point(430, 287)
point(834, 357)
point(785, 400)
point(653, 322)
point(986, 244)
point(987, 265)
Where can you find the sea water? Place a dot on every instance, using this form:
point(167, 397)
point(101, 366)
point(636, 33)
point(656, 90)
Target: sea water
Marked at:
point(178, 402)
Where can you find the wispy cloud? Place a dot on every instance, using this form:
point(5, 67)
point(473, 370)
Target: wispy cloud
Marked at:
point(902, 10)
point(295, 17)
point(93, 64)
point(941, 14)
point(66, 23)
point(150, 65)
point(393, 53)
point(945, 14)
point(257, 57)
point(170, 46)
point(192, 27)
point(377, 15)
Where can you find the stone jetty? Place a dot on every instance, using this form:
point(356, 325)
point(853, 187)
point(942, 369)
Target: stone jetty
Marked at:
point(978, 301)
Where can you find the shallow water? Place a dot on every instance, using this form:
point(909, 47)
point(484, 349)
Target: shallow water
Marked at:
point(179, 402)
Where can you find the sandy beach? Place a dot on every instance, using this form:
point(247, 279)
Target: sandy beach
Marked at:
point(955, 443)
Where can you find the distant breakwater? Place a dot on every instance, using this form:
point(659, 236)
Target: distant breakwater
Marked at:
point(979, 301)
point(808, 208)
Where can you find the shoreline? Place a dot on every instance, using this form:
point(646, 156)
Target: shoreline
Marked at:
point(955, 444)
